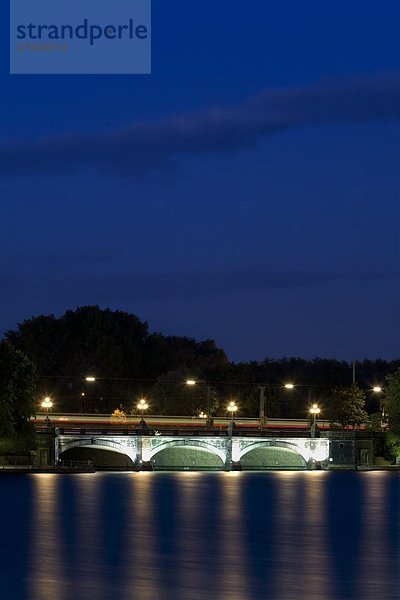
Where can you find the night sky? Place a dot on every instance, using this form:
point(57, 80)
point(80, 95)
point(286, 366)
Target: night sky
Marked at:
point(246, 191)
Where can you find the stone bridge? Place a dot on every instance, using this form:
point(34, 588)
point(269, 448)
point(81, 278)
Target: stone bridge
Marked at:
point(208, 452)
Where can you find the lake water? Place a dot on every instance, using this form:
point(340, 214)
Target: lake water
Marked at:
point(195, 536)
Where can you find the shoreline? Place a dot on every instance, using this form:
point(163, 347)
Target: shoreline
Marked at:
point(70, 470)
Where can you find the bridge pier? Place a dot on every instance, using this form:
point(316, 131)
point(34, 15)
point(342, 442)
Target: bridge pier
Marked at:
point(228, 459)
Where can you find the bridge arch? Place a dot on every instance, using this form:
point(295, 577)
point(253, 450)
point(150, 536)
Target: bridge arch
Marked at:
point(98, 444)
point(194, 449)
point(282, 447)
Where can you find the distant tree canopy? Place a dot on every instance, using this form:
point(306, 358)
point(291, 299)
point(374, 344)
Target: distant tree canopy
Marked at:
point(113, 346)
point(314, 381)
point(346, 406)
point(17, 390)
point(117, 348)
point(391, 401)
point(89, 340)
point(171, 395)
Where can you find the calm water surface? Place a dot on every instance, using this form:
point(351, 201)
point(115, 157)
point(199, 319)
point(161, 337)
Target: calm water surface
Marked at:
point(195, 536)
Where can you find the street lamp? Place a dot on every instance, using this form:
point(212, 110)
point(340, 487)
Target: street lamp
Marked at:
point(142, 405)
point(314, 410)
point(202, 415)
point(207, 415)
point(88, 379)
point(262, 413)
point(232, 408)
point(47, 404)
point(378, 390)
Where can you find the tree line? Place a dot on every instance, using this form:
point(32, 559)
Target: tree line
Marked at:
point(128, 362)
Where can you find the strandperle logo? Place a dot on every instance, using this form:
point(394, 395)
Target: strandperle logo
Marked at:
point(85, 31)
point(80, 36)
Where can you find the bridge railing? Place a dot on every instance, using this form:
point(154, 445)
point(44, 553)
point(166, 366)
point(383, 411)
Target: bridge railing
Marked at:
point(185, 432)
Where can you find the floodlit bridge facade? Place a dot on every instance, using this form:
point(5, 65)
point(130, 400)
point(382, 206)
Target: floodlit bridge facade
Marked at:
point(208, 452)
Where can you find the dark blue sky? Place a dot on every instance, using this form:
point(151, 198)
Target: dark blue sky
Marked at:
point(246, 191)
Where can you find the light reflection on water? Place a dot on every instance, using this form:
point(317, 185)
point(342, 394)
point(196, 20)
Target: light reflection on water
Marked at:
point(144, 571)
point(314, 553)
point(46, 578)
point(233, 578)
point(195, 536)
point(301, 551)
point(190, 542)
point(287, 546)
point(374, 559)
point(87, 548)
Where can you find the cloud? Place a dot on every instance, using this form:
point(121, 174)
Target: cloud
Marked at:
point(231, 280)
point(34, 288)
point(119, 283)
point(54, 262)
point(145, 146)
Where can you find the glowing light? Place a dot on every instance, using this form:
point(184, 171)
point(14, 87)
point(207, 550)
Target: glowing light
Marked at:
point(190, 382)
point(142, 405)
point(90, 378)
point(47, 403)
point(315, 410)
point(231, 407)
point(377, 389)
point(202, 415)
point(289, 386)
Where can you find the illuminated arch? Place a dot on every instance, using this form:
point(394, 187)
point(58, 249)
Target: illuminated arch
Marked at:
point(286, 445)
point(99, 443)
point(189, 444)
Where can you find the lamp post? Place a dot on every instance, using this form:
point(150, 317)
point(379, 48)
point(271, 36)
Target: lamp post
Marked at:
point(207, 416)
point(262, 418)
point(88, 379)
point(378, 390)
point(47, 404)
point(232, 408)
point(142, 405)
point(314, 410)
point(261, 413)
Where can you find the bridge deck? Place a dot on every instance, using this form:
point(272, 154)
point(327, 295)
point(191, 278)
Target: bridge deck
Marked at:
point(185, 432)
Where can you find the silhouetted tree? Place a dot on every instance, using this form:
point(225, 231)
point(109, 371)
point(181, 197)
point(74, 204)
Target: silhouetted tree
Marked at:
point(346, 406)
point(17, 390)
point(104, 343)
point(118, 350)
point(162, 354)
point(391, 401)
point(172, 396)
point(113, 346)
